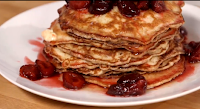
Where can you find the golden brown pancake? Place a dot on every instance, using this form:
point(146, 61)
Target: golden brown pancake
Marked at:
point(57, 36)
point(116, 28)
point(154, 79)
point(83, 66)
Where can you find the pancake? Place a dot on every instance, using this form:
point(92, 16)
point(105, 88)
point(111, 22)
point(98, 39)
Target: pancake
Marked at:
point(57, 36)
point(66, 58)
point(154, 79)
point(112, 57)
point(152, 64)
point(100, 72)
point(143, 67)
point(117, 28)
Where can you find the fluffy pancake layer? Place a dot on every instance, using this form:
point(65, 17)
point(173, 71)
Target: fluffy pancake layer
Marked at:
point(55, 35)
point(94, 61)
point(116, 28)
point(154, 79)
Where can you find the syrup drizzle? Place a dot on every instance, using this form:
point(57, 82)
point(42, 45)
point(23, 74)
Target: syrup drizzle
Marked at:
point(189, 70)
point(53, 82)
point(27, 60)
point(39, 38)
point(39, 48)
point(36, 43)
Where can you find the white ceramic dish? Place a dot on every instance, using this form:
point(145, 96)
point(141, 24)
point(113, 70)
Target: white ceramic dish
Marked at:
point(196, 3)
point(14, 46)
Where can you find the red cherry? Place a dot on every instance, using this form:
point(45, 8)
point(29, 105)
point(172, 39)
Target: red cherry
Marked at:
point(73, 80)
point(188, 49)
point(79, 4)
point(195, 55)
point(116, 90)
point(131, 78)
point(158, 6)
point(143, 5)
point(128, 89)
point(30, 71)
point(129, 85)
point(193, 44)
point(100, 7)
point(46, 68)
point(192, 51)
point(183, 31)
point(128, 8)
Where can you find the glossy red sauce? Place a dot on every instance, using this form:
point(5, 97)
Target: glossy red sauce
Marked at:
point(39, 38)
point(95, 88)
point(36, 43)
point(41, 56)
point(39, 48)
point(28, 61)
point(53, 82)
point(56, 82)
point(189, 70)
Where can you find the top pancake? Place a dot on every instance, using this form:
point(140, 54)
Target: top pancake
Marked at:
point(115, 27)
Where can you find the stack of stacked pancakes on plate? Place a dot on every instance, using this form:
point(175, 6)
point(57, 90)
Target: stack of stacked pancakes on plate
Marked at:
point(111, 44)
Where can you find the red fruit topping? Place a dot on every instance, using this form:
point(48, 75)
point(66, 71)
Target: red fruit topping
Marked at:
point(73, 80)
point(195, 55)
point(116, 90)
point(128, 8)
point(46, 68)
point(193, 44)
point(114, 2)
point(130, 78)
point(100, 7)
point(192, 51)
point(129, 85)
point(158, 6)
point(79, 4)
point(30, 71)
point(143, 5)
point(188, 49)
point(183, 32)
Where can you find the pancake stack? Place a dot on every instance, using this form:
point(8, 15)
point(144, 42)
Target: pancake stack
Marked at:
point(111, 44)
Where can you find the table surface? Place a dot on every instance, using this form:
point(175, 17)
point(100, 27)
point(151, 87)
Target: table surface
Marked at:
point(13, 97)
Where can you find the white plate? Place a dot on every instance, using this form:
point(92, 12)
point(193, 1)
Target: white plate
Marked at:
point(14, 46)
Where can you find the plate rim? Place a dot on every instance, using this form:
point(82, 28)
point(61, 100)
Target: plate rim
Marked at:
point(88, 103)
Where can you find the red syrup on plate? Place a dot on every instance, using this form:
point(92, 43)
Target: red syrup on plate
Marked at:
point(39, 48)
point(54, 81)
point(189, 70)
point(28, 61)
point(39, 38)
